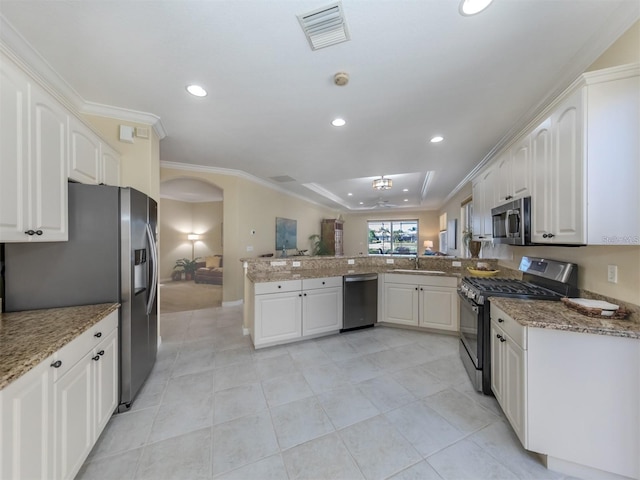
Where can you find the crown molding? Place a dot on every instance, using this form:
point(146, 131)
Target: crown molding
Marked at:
point(190, 167)
point(91, 108)
point(16, 47)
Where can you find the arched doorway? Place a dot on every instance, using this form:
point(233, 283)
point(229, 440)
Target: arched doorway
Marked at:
point(191, 246)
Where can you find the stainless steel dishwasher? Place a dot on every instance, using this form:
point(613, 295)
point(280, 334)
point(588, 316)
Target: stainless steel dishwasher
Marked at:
point(360, 301)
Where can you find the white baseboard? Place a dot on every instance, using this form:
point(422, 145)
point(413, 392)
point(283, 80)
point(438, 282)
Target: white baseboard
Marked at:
point(234, 303)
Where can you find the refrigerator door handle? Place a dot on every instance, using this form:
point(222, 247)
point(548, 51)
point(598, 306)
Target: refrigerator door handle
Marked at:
point(154, 273)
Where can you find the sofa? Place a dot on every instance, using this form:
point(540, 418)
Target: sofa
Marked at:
point(209, 271)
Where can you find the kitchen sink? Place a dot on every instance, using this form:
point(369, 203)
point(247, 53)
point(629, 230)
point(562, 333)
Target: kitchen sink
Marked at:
point(413, 270)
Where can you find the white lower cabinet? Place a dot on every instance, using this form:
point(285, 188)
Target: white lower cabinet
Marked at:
point(508, 370)
point(571, 396)
point(85, 398)
point(421, 301)
point(293, 309)
point(26, 418)
point(52, 416)
point(321, 305)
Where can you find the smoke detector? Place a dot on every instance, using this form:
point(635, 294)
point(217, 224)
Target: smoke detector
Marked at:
point(341, 79)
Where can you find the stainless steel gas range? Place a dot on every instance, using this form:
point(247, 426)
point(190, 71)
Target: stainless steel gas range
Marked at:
point(542, 279)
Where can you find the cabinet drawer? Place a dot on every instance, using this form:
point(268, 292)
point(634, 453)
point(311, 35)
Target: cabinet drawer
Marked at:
point(278, 287)
point(510, 326)
point(72, 352)
point(326, 282)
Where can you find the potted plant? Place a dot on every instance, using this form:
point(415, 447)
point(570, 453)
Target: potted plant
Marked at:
point(187, 266)
point(318, 247)
point(473, 246)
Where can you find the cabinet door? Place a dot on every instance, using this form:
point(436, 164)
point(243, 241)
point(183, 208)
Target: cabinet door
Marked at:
point(567, 212)
point(401, 304)
point(25, 426)
point(105, 381)
point(84, 153)
point(520, 168)
point(439, 308)
point(497, 364)
point(110, 166)
point(541, 180)
point(514, 394)
point(278, 317)
point(321, 311)
point(48, 179)
point(504, 184)
point(73, 418)
point(14, 200)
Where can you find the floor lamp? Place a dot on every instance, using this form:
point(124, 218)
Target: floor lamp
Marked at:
point(193, 237)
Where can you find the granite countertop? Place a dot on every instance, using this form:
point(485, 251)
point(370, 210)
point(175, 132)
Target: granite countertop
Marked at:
point(557, 316)
point(29, 337)
point(300, 274)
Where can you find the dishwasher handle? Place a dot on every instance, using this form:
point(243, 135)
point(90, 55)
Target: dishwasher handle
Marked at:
point(360, 278)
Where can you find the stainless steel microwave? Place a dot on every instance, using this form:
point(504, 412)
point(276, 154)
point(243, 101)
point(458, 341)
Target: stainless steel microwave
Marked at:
point(512, 222)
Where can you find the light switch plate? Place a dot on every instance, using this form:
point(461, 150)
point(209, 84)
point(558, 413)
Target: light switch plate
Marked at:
point(390, 261)
point(295, 264)
point(351, 261)
point(612, 273)
point(456, 264)
point(281, 263)
point(249, 248)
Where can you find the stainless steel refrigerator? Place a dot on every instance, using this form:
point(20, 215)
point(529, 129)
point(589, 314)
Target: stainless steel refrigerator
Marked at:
point(111, 256)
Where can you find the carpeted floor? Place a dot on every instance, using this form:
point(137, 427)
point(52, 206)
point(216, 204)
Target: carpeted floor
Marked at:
point(187, 295)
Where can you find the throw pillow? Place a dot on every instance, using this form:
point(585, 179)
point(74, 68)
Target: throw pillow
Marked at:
point(213, 262)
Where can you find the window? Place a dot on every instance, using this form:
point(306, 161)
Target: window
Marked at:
point(393, 237)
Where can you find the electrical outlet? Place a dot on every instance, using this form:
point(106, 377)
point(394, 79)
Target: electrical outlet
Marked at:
point(249, 248)
point(456, 264)
point(281, 263)
point(612, 273)
point(390, 261)
point(295, 264)
point(351, 261)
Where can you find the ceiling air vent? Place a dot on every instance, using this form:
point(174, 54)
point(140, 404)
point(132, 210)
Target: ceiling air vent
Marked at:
point(325, 26)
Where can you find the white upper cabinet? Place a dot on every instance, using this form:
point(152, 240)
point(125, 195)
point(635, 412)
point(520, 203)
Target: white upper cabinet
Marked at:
point(563, 203)
point(579, 165)
point(33, 160)
point(84, 153)
point(484, 193)
point(91, 160)
point(110, 166)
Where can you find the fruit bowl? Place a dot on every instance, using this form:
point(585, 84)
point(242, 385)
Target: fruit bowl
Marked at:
point(483, 273)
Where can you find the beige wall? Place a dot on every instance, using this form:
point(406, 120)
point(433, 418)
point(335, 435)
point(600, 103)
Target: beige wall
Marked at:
point(625, 50)
point(177, 220)
point(592, 260)
point(140, 161)
point(356, 233)
point(251, 206)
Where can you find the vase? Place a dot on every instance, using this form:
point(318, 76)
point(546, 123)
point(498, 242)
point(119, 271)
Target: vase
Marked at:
point(474, 248)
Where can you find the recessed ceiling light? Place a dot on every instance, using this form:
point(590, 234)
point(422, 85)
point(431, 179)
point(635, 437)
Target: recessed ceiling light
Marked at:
point(196, 90)
point(471, 7)
point(350, 194)
point(361, 203)
point(339, 122)
point(405, 189)
point(406, 199)
point(437, 139)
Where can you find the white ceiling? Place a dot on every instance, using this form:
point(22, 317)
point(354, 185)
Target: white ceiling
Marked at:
point(418, 68)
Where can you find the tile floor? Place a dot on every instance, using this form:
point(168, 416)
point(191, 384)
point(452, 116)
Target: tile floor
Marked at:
point(371, 404)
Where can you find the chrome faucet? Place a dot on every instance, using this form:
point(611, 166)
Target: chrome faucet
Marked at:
point(415, 259)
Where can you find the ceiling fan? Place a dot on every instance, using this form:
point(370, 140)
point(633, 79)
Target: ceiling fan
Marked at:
point(381, 203)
